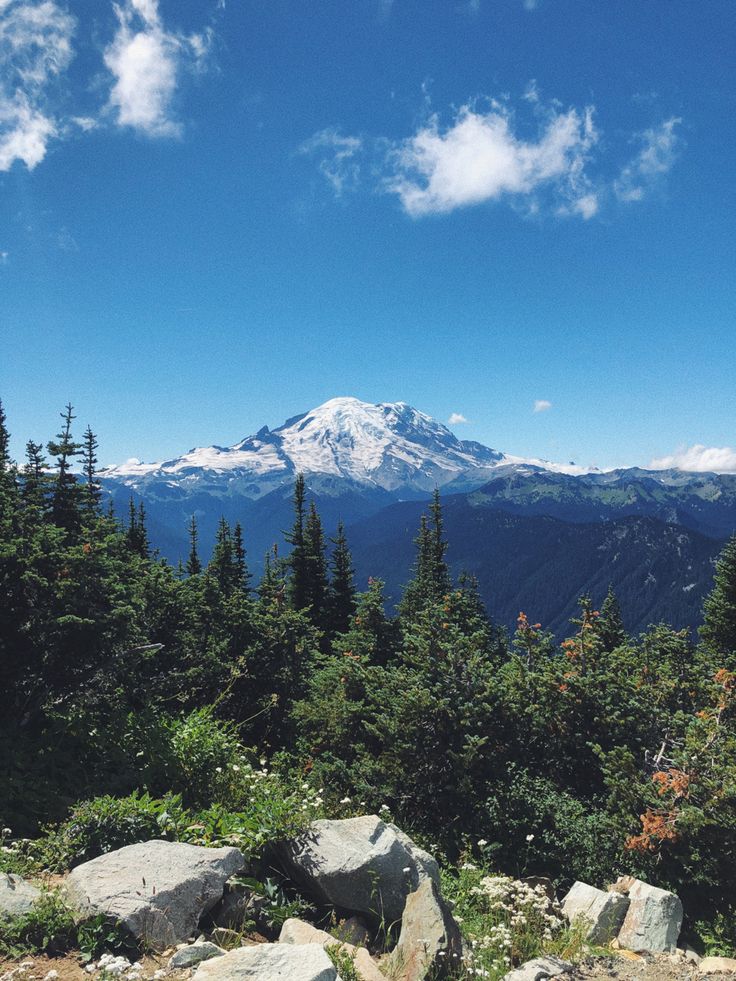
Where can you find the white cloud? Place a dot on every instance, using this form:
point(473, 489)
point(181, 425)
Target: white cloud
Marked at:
point(480, 158)
point(339, 162)
point(35, 49)
point(144, 60)
point(659, 150)
point(4, 256)
point(698, 458)
point(456, 419)
point(542, 405)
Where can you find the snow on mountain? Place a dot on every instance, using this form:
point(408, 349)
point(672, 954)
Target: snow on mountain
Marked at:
point(390, 446)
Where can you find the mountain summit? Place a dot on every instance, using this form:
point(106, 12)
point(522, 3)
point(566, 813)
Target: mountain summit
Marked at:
point(389, 446)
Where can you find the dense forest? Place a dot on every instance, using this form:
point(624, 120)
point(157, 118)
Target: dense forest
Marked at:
point(133, 681)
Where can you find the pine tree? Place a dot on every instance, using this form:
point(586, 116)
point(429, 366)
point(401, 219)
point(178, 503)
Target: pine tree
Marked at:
point(439, 572)
point(222, 566)
point(92, 488)
point(316, 566)
point(341, 597)
point(242, 575)
point(297, 562)
point(272, 587)
point(136, 534)
point(35, 476)
point(64, 509)
point(8, 478)
point(5, 462)
point(193, 566)
point(431, 581)
point(610, 624)
point(719, 622)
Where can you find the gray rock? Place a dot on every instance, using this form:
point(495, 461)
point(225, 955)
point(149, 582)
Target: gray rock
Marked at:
point(16, 895)
point(360, 865)
point(157, 889)
point(298, 932)
point(353, 931)
point(429, 943)
point(237, 908)
point(270, 962)
point(195, 954)
point(653, 919)
point(603, 911)
point(540, 967)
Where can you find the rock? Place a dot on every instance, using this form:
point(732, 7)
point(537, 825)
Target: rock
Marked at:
point(430, 942)
point(157, 889)
point(236, 908)
point(653, 919)
point(359, 865)
point(353, 931)
point(604, 911)
point(717, 965)
point(540, 967)
point(299, 933)
point(270, 962)
point(16, 895)
point(192, 954)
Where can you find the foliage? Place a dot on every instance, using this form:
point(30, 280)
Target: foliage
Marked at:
point(47, 927)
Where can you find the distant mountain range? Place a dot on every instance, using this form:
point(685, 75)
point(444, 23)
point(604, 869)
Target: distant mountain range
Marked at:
point(536, 534)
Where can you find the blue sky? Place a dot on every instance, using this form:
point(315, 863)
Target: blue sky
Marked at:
point(216, 215)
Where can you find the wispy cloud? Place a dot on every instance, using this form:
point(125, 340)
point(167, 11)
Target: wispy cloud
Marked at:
point(660, 147)
point(699, 459)
point(456, 419)
point(484, 153)
point(35, 49)
point(542, 405)
point(338, 157)
point(4, 256)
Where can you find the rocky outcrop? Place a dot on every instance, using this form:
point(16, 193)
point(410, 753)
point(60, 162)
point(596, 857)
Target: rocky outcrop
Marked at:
point(360, 865)
point(298, 932)
point(604, 912)
point(430, 942)
point(270, 962)
point(653, 919)
point(16, 895)
point(156, 889)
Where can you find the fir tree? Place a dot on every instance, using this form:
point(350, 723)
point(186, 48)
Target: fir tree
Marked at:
point(222, 566)
point(64, 507)
point(611, 625)
point(242, 575)
point(92, 488)
point(341, 597)
point(137, 534)
point(719, 622)
point(5, 461)
point(193, 566)
point(297, 562)
point(35, 476)
point(431, 580)
point(272, 587)
point(316, 566)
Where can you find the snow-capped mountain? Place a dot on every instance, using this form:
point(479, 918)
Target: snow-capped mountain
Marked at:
point(344, 442)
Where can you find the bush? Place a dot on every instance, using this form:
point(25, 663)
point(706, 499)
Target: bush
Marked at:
point(103, 824)
point(47, 927)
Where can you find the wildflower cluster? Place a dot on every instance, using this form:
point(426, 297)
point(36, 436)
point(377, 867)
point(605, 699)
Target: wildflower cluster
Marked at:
point(506, 921)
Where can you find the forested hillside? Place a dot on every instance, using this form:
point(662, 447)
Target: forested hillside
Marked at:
point(123, 674)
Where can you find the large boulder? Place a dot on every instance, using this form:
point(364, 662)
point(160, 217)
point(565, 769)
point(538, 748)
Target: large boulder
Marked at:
point(297, 932)
point(270, 962)
point(604, 912)
point(157, 889)
point(16, 895)
point(360, 865)
point(430, 943)
point(653, 919)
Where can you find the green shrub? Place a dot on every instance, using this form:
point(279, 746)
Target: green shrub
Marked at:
point(47, 927)
point(103, 824)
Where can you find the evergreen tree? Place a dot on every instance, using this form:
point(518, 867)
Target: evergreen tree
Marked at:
point(193, 566)
point(35, 476)
point(5, 461)
point(223, 564)
point(611, 624)
point(316, 567)
point(136, 534)
point(297, 562)
point(341, 598)
point(242, 575)
point(64, 502)
point(8, 481)
point(439, 572)
point(272, 588)
point(719, 622)
point(431, 579)
point(92, 488)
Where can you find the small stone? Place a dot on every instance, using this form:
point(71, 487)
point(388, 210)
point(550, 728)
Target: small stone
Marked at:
point(539, 968)
point(195, 954)
point(717, 965)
